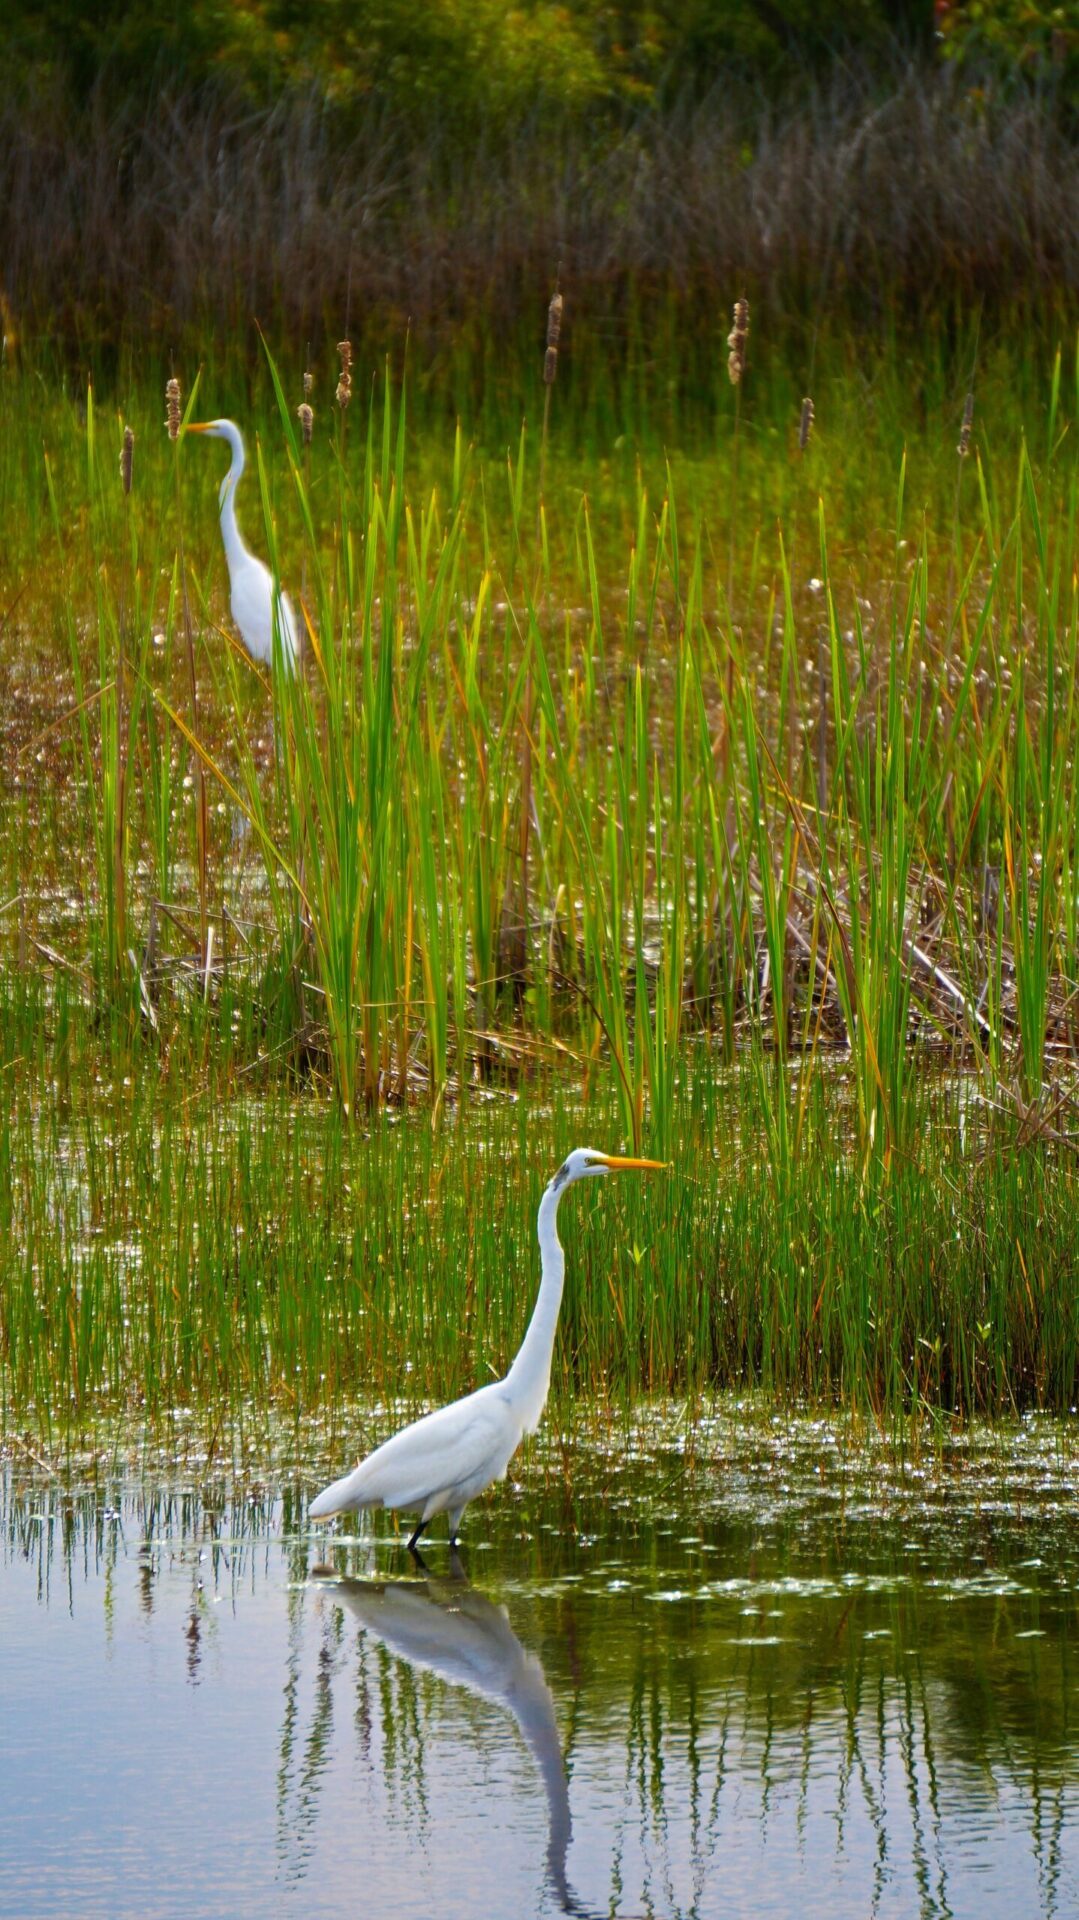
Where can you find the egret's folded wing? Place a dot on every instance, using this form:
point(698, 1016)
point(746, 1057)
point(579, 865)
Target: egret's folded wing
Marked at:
point(443, 1450)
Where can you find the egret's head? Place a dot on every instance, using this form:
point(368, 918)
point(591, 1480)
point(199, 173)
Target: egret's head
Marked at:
point(584, 1161)
point(229, 431)
point(217, 429)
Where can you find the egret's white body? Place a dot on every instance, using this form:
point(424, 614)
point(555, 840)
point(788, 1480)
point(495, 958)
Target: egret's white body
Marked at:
point(438, 1464)
point(250, 583)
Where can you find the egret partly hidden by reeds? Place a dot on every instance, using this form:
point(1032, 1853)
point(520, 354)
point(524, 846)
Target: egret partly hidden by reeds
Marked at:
point(260, 610)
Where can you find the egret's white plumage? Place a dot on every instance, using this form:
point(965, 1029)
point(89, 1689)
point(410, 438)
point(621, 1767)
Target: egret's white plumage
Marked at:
point(251, 586)
point(439, 1463)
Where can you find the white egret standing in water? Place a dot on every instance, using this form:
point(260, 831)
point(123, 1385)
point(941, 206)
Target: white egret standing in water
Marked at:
point(255, 608)
point(439, 1463)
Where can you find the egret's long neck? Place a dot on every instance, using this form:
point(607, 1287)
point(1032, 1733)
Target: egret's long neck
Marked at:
point(230, 532)
point(530, 1375)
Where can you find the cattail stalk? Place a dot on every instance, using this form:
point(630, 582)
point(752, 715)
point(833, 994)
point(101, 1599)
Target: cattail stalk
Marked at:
point(513, 937)
point(736, 366)
point(806, 422)
point(344, 384)
point(962, 454)
point(550, 370)
point(119, 864)
point(173, 421)
point(963, 447)
point(306, 416)
point(962, 451)
point(343, 394)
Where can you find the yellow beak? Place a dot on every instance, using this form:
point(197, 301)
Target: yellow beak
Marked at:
point(198, 426)
point(617, 1162)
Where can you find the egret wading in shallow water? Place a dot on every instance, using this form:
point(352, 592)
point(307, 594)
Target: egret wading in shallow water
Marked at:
point(254, 608)
point(439, 1463)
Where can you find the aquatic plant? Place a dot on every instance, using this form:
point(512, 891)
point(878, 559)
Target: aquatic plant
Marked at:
point(799, 892)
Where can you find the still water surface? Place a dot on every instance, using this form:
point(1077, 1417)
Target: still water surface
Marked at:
point(752, 1667)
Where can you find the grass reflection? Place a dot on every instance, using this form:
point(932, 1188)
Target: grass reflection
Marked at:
point(786, 1670)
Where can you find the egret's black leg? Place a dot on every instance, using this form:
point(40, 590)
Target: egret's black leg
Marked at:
point(420, 1528)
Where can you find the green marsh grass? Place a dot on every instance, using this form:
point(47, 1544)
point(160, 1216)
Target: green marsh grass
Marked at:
point(797, 900)
point(170, 1248)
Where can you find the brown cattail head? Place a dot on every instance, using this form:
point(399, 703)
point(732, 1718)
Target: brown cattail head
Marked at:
point(344, 385)
point(172, 409)
point(736, 342)
point(805, 425)
point(554, 320)
point(9, 338)
point(127, 459)
point(554, 329)
point(964, 432)
point(305, 416)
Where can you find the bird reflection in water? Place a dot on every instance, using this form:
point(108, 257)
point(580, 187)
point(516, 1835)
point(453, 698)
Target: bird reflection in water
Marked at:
point(447, 1628)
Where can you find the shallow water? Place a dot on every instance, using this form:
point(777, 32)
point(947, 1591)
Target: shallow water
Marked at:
point(743, 1667)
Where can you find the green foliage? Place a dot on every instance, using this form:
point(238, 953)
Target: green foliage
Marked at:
point(476, 58)
point(705, 41)
point(1011, 39)
point(466, 57)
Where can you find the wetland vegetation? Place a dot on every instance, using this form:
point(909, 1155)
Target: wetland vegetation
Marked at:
point(684, 759)
point(668, 767)
point(722, 804)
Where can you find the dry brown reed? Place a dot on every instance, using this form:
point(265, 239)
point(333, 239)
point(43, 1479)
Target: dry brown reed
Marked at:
point(184, 210)
point(805, 424)
point(127, 460)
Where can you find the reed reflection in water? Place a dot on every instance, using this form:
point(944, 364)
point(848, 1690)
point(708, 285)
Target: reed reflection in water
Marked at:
point(743, 1697)
point(450, 1630)
point(768, 1768)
